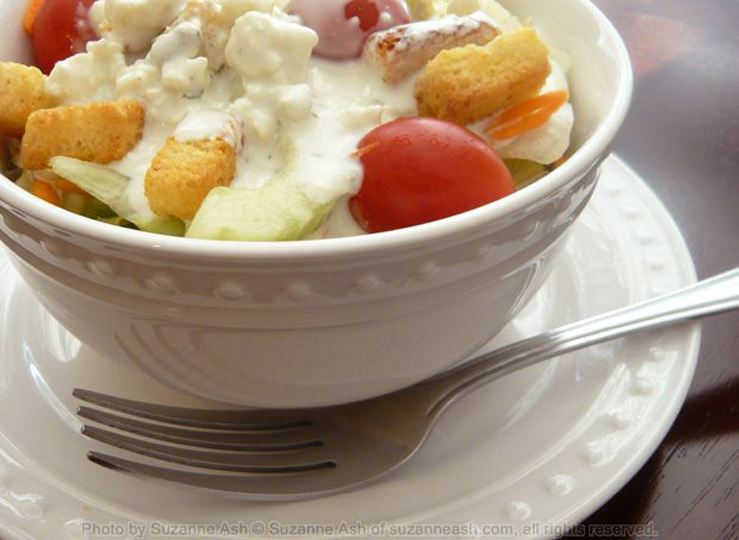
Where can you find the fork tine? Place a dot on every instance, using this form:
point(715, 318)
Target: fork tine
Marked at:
point(260, 463)
point(270, 441)
point(255, 487)
point(258, 420)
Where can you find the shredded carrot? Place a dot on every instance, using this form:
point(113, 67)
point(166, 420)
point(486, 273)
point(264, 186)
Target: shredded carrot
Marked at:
point(68, 187)
point(551, 99)
point(561, 161)
point(527, 116)
point(365, 150)
point(61, 184)
point(29, 20)
point(45, 191)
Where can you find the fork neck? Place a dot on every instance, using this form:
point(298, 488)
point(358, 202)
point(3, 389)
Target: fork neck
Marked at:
point(709, 297)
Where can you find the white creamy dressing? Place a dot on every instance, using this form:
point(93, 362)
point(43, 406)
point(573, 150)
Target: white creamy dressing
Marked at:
point(135, 23)
point(452, 25)
point(270, 95)
point(89, 76)
point(209, 125)
point(339, 224)
point(250, 79)
point(349, 99)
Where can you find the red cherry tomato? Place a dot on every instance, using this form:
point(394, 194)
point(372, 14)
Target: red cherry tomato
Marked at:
point(344, 25)
point(418, 170)
point(367, 12)
point(62, 28)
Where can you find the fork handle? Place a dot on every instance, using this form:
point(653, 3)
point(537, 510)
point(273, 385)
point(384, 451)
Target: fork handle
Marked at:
point(709, 297)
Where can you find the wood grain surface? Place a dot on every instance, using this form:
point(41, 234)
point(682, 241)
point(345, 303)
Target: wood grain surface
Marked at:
point(682, 136)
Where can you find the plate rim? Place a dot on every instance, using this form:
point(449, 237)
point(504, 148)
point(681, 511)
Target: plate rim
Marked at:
point(630, 467)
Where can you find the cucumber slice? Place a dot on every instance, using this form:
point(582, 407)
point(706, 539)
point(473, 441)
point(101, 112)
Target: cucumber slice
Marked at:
point(25, 180)
point(278, 212)
point(525, 172)
point(166, 226)
point(97, 209)
point(101, 182)
point(117, 221)
point(75, 202)
point(110, 187)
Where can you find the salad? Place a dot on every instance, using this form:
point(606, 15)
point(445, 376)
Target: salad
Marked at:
point(275, 120)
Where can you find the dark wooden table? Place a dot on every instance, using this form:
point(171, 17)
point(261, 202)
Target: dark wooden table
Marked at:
point(682, 136)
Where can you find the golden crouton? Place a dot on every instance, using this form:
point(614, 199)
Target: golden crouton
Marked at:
point(467, 84)
point(183, 173)
point(403, 50)
point(21, 93)
point(97, 132)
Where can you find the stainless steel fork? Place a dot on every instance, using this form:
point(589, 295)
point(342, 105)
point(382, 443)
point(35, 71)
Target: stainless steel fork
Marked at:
point(296, 454)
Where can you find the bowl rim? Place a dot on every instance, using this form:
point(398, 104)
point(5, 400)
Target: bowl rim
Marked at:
point(596, 146)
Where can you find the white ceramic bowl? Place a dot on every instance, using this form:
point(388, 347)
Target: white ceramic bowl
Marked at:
point(321, 322)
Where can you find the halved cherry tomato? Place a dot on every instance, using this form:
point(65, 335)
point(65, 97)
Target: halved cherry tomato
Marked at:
point(418, 170)
point(61, 29)
point(344, 25)
point(366, 10)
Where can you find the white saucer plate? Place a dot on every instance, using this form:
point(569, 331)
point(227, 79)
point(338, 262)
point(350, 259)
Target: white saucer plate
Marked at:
point(524, 457)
